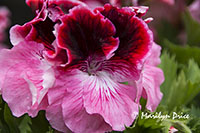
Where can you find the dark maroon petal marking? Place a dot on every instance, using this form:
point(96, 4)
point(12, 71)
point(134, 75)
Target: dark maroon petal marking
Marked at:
point(44, 31)
point(109, 46)
point(39, 31)
point(85, 34)
point(134, 35)
point(57, 57)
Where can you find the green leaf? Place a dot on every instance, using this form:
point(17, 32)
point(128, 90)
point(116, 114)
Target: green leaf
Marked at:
point(11, 121)
point(40, 124)
point(169, 67)
point(183, 53)
point(192, 72)
point(195, 111)
point(3, 125)
point(194, 123)
point(179, 89)
point(24, 126)
point(182, 127)
point(174, 96)
point(192, 29)
point(143, 124)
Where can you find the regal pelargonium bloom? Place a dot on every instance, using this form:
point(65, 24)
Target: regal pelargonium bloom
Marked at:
point(105, 49)
point(80, 61)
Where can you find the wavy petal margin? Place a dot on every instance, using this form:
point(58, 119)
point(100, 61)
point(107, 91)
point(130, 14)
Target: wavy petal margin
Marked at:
point(26, 78)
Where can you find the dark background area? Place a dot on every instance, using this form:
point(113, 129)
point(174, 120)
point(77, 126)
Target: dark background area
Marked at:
point(20, 14)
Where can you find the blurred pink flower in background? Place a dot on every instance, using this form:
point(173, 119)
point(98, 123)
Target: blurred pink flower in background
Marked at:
point(194, 9)
point(73, 62)
point(158, 9)
point(4, 23)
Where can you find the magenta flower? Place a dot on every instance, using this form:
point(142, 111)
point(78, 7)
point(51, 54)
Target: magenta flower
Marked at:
point(73, 62)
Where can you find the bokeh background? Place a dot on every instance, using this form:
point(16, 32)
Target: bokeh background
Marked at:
point(20, 13)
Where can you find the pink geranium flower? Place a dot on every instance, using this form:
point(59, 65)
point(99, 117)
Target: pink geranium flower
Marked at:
point(72, 62)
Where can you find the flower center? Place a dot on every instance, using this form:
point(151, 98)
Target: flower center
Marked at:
point(94, 65)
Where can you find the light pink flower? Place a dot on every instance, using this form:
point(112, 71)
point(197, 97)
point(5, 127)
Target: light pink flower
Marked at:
point(25, 78)
point(194, 9)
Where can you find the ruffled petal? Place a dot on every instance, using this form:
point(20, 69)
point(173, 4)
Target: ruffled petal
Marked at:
point(134, 35)
point(77, 119)
point(54, 110)
point(55, 117)
point(38, 30)
point(95, 3)
point(35, 4)
point(57, 57)
point(18, 33)
point(69, 91)
point(154, 55)
point(65, 5)
point(84, 33)
point(110, 99)
point(25, 78)
point(153, 77)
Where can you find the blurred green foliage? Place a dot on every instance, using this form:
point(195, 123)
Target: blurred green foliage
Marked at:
point(192, 28)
